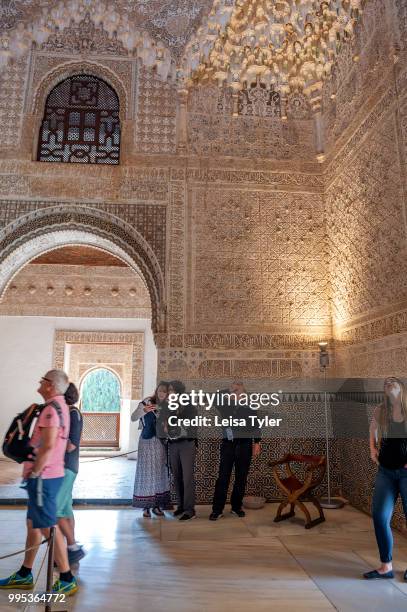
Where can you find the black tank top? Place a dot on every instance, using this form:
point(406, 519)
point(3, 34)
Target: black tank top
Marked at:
point(393, 448)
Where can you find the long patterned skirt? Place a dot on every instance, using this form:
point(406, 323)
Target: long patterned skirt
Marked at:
point(151, 485)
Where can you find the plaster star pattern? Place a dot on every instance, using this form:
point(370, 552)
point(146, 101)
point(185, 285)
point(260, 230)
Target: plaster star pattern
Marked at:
point(259, 258)
point(134, 339)
point(257, 132)
point(12, 88)
point(386, 99)
point(364, 211)
point(351, 85)
point(77, 291)
point(155, 128)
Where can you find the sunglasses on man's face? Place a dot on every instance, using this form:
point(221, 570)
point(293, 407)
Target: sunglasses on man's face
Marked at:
point(45, 379)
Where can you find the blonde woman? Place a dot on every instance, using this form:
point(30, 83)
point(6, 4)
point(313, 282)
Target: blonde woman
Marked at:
point(388, 448)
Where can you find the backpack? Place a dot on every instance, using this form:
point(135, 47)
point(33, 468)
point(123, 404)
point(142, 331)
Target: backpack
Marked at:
point(16, 444)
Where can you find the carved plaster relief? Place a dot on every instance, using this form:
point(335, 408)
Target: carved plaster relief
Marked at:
point(366, 227)
point(258, 131)
point(258, 261)
point(75, 290)
point(134, 339)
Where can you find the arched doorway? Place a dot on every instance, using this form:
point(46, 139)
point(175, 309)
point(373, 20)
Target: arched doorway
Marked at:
point(62, 225)
point(79, 306)
point(100, 402)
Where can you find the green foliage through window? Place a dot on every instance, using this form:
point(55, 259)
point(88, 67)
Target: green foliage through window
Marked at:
point(100, 392)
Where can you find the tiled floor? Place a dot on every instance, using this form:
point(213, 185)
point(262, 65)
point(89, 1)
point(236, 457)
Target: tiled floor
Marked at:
point(111, 479)
point(233, 565)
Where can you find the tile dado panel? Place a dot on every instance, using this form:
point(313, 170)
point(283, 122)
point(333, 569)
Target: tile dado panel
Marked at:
point(301, 432)
point(261, 480)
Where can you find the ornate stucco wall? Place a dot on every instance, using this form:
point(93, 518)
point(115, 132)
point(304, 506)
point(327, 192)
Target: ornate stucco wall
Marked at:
point(251, 250)
point(365, 113)
point(227, 229)
point(366, 196)
point(63, 290)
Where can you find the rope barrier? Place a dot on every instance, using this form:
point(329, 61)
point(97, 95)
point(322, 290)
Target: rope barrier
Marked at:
point(24, 550)
point(28, 604)
point(47, 540)
point(110, 457)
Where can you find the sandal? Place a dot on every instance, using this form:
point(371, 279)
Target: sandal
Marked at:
point(146, 513)
point(158, 512)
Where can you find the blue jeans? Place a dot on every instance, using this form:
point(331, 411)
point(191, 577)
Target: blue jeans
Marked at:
point(389, 484)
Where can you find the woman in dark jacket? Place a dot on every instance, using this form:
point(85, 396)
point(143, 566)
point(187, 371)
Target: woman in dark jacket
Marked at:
point(151, 485)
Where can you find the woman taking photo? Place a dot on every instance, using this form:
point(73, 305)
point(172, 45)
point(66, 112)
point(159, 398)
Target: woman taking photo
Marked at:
point(388, 448)
point(151, 485)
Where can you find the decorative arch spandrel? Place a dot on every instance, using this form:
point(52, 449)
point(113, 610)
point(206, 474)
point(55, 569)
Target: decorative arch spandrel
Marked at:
point(49, 228)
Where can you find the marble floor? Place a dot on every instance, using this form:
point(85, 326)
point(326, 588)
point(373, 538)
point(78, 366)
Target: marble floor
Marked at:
point(233, 565)
point(98, 479)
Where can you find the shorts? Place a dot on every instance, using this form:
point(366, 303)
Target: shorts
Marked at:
point(64, 498)
point(42, 501)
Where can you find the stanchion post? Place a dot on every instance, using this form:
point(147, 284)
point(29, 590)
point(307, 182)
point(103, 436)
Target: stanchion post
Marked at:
point(50, 566)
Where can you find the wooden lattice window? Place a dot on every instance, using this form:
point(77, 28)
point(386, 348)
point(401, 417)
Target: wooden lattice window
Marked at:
point(81, 123)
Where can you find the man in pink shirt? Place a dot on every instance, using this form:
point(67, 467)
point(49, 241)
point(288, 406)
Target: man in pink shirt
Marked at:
point(44, 475)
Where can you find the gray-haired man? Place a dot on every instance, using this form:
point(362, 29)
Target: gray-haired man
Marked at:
point(44, 474)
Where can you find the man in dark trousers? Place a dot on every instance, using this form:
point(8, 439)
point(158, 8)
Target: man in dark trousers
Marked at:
point(182, 444)
point(238, 447)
